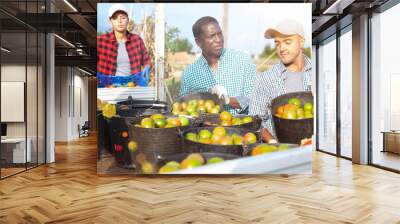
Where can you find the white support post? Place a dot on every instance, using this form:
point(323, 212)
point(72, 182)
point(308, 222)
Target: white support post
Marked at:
point(50, 99)
point(360, 90)
point(159, 52)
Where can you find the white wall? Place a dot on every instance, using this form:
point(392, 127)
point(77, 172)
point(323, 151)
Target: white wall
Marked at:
point(61, 103)
point(80, 110)
point(71, 94)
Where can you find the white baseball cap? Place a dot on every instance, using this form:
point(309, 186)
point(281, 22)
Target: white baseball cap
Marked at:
point(116, 7)
point(286, 27)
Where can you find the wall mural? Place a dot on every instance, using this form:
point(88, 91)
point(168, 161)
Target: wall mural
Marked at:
point(214, 88)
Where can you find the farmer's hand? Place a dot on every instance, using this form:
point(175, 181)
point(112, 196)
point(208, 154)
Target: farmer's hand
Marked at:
point(221, 92)
point(273, 141)
point(234, 103)
point(267, 137)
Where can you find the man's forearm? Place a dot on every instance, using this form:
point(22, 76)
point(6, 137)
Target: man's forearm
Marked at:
point(234, 103)
point(266, 135)
point(241, 103)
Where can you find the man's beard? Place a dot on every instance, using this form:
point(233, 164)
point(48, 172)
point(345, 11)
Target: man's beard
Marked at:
point(287, 64)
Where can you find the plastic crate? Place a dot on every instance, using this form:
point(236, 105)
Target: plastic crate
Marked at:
point(140, 79)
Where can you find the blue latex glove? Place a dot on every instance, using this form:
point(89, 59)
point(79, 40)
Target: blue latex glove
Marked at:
point(142, 78)
point(103, 80)
point(140, 81)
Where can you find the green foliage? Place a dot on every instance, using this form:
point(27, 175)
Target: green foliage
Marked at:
point(174, 43)
point(172, 34)
point(307, 51)
point(173, 86)
point(267, 51)
point(181, 45)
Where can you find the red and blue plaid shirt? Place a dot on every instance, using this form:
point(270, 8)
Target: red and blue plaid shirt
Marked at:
point(107, 51)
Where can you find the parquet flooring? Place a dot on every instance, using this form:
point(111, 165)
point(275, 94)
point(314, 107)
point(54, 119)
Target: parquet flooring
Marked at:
point(10, 171)
point(70, 191)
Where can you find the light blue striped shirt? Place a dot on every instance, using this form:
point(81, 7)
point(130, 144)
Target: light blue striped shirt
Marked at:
point(236, 72)
point(270, 85)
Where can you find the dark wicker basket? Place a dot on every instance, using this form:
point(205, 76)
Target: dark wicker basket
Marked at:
point(136, 108)
point(292, 131)
point(132, 111)
point(119, 144)
point(158, 142)
point(206, 155)
point(202, 96)
point(248, 148)
point(103, 135)
point(213, 120)
point(190, 146)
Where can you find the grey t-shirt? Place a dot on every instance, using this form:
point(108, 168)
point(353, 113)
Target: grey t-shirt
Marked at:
point(123, 63)
point(294, 81)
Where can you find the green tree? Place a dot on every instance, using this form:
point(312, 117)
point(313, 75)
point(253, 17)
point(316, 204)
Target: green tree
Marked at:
point(181, 45)
point(307, 51)
point(173, 86)
point(174, 43)
point(172, 34)
point(267, 51)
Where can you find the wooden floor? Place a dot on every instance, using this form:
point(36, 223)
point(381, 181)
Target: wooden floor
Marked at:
point(70, 191)
point(10, 171)
point(386, 159)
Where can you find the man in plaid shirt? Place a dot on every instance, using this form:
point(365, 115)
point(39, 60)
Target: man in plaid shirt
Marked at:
point(228, 73)
point(291, 74)
point(119, 52)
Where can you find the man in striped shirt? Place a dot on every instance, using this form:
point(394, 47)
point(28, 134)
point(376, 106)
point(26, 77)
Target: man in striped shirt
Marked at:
point(228, 73)
point(291, 74)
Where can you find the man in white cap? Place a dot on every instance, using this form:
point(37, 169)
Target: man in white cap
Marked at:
point(119, 52)
point(291, 74)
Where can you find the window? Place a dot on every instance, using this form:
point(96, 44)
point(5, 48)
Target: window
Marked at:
point(385, 89)
point(327, 96)
point(346, 94)
point(22, 73)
